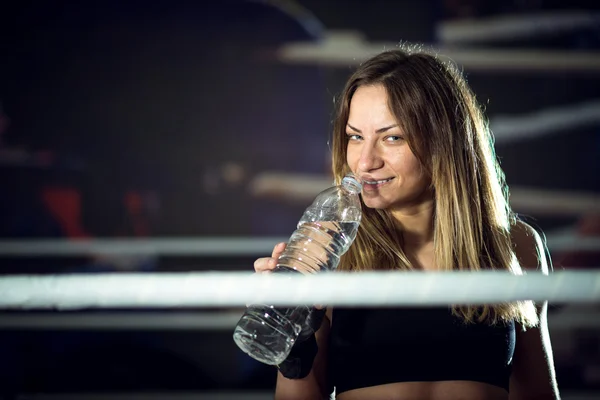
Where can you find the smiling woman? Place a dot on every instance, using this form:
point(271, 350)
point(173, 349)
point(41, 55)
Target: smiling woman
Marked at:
point(434, 199)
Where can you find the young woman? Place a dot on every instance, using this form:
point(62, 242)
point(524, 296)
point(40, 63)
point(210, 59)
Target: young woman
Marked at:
point(434, 199)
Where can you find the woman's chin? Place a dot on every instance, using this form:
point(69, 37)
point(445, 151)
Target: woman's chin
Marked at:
point(375, 204)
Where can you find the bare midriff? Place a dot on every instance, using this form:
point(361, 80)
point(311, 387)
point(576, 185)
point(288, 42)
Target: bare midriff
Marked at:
point(444, 390)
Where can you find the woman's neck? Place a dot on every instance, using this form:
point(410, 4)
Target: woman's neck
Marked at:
point(416, 224)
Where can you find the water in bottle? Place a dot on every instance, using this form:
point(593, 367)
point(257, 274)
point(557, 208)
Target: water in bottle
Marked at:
point(325, 232)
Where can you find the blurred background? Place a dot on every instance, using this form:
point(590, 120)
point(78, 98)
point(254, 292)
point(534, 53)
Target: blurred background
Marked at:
point(170, 136)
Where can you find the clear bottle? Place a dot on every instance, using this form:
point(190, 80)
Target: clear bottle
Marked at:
point(325, 232)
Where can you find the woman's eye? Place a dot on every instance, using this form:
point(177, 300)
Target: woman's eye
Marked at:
point(393, 138)
point(353, 136)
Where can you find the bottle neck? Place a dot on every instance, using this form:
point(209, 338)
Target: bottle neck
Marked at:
point(351, 185)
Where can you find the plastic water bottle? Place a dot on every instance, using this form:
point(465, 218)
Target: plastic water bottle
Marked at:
point(325, 232)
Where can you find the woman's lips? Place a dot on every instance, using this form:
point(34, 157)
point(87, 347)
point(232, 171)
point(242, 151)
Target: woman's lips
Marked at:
point(372, 185)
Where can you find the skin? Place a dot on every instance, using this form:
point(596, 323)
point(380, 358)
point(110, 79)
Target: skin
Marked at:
point(376, 152)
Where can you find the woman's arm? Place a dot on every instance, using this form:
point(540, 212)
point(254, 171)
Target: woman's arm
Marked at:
point(314, 386)
point(533, 375)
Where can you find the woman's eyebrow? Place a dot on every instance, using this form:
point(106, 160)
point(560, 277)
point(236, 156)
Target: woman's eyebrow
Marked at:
point(380, 130)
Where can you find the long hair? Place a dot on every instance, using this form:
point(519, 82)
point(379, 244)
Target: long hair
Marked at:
point(446, 130)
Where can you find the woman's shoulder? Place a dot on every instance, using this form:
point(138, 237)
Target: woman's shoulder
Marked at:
point(529, 247)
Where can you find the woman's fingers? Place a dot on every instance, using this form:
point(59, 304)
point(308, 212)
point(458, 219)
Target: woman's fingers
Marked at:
point(278, 249)
point(266, 264)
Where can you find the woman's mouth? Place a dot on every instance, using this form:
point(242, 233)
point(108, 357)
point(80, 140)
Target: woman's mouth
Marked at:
point(371, 185)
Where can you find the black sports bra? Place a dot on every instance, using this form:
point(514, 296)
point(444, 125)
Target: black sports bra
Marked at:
point(370, 347)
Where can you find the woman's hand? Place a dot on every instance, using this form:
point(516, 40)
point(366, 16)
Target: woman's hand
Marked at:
point(267, 264)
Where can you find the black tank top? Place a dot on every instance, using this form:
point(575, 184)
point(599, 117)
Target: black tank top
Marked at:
point(370, 347)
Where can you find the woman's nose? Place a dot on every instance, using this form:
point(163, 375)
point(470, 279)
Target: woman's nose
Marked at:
point(369, 158)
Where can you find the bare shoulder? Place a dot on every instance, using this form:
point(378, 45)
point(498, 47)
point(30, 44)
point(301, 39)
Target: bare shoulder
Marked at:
point(533, 375)
point(529, 247)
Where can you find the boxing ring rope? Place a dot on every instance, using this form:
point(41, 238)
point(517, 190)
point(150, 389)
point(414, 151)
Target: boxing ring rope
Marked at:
point(349, 48)
point(202, 246)
point(545, 122)
point(511, 27)
point(222, 321)
point(304, 187)
point(218, 289)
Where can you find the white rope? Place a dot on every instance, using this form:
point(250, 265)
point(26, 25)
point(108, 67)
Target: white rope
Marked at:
point(224, 320)
point(123, 320)
point(214, 289)
point(523, 200)
point(206, 246)
point(178, 395)
point(343, 49)
point(545, 122)
point(504, 27)
point(203, 246)
point(303, 188)
point(554, 203)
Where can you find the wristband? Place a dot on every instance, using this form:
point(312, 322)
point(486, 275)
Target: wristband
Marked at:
point(299, 362)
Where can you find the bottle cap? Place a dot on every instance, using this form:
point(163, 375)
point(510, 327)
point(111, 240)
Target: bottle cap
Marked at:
point(352, 183)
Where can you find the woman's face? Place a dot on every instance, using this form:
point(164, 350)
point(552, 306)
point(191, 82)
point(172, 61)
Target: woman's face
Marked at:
point(378, 153)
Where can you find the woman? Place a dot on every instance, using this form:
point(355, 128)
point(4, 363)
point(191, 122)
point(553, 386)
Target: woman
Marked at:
point(408, 125)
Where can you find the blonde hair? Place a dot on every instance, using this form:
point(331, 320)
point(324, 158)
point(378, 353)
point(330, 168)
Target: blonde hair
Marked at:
point(447, 132)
